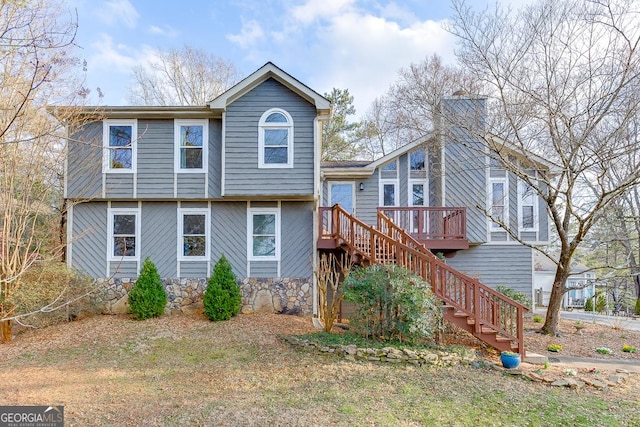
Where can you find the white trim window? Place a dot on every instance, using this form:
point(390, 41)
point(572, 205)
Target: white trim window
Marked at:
point(498, 202)
point(275, 139)
point(528, 207)
point(193, 234)
point(388, 188)
point(418, 184)
point(123, 230)
point(191, 145)
point(344, 193)
point(263, 234)
point(119, 139)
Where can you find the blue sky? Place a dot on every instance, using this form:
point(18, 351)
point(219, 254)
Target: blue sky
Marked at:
point(354, 44)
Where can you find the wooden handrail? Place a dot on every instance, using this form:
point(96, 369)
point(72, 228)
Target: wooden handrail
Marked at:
point(430, 223)
point(481, 303)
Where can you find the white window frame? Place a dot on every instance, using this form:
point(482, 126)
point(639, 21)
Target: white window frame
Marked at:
point(262, 211)
point(262, 126)
point(177, 123)
point(111, 212)
point(505, 183)
point(106, 152)
point(521, 227)
point(207, 233)
point(388, 181)
point(419, 181)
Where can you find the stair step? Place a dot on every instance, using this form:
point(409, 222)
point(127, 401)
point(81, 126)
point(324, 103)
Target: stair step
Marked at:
point(488, 331)
point(502, 339)
point(460, 314)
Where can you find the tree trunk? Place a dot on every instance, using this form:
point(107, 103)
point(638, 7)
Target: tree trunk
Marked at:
point(5, 331)
point(552, 321)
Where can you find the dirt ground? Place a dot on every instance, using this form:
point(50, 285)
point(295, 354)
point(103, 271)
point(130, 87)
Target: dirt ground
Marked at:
point(186, 370)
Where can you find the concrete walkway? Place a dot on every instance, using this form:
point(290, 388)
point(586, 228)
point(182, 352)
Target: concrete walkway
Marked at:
point(622, 322)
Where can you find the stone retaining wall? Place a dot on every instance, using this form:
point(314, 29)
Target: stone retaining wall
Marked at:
point(423, 357)
point(279, 295)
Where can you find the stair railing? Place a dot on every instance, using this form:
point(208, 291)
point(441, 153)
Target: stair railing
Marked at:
point(487, 307)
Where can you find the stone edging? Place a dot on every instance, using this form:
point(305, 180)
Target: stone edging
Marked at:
point(351, 352)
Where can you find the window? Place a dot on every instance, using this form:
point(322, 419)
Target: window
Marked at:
point(388, 184)
point(124, 234)
point(120, 145)
point(342, 193)
point(498, 202)
point(417, 165)
point(275, 140)
point(191, 141)
point(528, 206)
point(193, 238)
point(417, 195)
point(264, 234)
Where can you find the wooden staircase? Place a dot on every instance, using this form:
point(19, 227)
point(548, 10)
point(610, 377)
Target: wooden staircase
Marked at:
point(487, 314)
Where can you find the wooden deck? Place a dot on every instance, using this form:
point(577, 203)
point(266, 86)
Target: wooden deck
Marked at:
point(484, 312)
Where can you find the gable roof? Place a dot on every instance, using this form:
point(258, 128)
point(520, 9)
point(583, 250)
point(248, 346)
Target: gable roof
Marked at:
point(270, 70)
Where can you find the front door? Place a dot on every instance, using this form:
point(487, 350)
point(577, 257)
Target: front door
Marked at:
point(343, 193)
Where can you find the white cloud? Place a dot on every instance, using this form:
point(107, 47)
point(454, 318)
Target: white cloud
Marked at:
point(165, 31)
point(316, 9)
point(250, 33)
point(116, 12)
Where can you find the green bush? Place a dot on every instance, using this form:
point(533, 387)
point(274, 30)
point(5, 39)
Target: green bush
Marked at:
point(147, 298)
point(392, 304)
point(514, 295)
point(638, 306)
point(588, 304)
point(601, 303)
point(222, 299)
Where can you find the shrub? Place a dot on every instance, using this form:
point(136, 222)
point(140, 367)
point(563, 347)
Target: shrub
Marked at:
point(514, 295)
point(629, 348)
point(638, 306)
point(392, 304)
point(601, 303)
point(222, 299)
point(603, 350)
point(554, 347)
point(537, 318)
point(588, 304)
point(147, 298)
point(54, 293)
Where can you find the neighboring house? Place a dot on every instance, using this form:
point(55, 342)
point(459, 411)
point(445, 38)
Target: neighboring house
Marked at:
point(439, 189)
point(185, 185)
point(581, 283)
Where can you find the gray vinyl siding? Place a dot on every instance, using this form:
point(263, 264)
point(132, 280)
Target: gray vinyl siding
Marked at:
point(543, 221)
point(229, 234)
point(297, 239)
point(264, 269)
point(155, 159)
point(191, 185)
point(367, 200)
point(215, 157)
point(402, 199)
point(124, 269)
point(494, 265)
point(465, 186)
point(159, 236)
point(242, 176)
point(193, 269)
point(84, 162)
point(119, 185)
point(89, 244)
point(514, 214)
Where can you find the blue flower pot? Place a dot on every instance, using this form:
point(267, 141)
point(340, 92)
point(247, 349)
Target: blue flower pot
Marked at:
point(510, 361)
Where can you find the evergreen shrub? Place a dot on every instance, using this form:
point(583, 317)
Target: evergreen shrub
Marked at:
point(222, 298)
point(147, 298)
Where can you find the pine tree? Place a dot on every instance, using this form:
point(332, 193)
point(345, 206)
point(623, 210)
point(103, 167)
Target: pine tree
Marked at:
point(148, 298)
point(222, 299)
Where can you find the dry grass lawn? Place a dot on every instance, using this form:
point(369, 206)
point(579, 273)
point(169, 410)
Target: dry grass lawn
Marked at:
point(185, 370)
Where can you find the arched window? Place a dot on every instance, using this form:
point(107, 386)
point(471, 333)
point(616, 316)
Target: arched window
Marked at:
point(275, 139)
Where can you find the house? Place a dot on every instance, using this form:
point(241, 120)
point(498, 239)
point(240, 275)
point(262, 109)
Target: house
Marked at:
point(242, 177)
point(581, 283)
point(440, 188)
point(185, 185)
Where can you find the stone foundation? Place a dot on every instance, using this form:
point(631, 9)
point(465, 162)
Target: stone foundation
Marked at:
point(270, 295)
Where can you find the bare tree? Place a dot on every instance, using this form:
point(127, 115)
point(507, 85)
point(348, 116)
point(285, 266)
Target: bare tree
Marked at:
point(564, 80)
point(186, 76)
point(35, 44)
point(410, 106)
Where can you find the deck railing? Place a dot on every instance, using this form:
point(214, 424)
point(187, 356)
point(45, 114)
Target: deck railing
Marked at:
point(487, 307)
point(426, 223)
